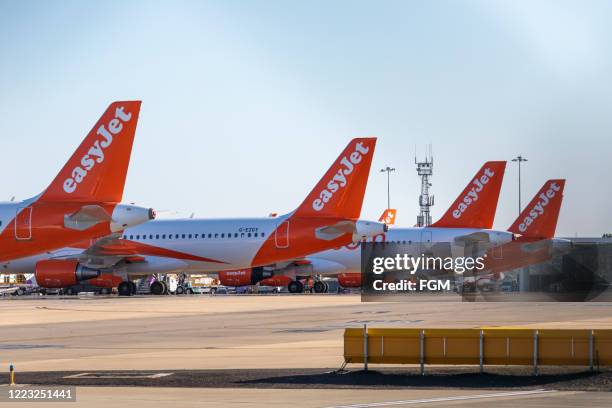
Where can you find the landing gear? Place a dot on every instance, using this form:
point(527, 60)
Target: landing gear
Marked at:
point(320, 287)
point(295, 287)
point(158, 288)
point(126, 288)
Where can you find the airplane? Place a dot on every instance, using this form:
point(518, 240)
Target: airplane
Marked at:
point(467, 221)
point(82, 202)
point(534, 241)
point(521, 245)
point(327, 218)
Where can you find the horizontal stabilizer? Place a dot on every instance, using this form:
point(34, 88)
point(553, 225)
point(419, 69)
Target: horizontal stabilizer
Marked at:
point(332, 232)
point(476, 237)
point(86, 217)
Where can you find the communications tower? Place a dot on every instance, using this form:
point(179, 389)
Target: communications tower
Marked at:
point(426, 201)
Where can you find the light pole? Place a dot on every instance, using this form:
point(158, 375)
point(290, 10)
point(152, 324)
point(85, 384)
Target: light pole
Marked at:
point(519, 159)
point(388, 170)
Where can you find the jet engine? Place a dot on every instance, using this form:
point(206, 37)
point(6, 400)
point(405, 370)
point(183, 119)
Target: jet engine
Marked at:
point(243, 277)
point(349, 280)
point(59, 273)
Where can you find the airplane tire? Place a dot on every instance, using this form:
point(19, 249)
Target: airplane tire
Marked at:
point(157, 288)
point(125, 289)
point(190, 291)
point(69, 291)
point(295, 287)
point(180, 290)
point(319, 287)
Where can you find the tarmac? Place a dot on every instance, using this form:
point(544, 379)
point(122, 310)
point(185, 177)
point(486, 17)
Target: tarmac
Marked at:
point(271, 350)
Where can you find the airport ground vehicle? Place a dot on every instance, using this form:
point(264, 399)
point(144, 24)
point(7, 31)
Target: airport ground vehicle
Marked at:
point(82, 202)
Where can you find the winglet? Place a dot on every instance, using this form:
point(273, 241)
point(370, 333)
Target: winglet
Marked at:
point(388, 216)
point(539, 218)
point(98, 168)
point(476, 205)
point(341, 190)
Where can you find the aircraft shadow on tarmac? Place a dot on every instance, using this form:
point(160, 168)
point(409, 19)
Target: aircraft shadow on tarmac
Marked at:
point(558, 378)
point(439, 378)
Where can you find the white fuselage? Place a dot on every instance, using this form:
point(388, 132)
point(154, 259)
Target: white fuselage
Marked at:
point(415, 241)
point(234, 242)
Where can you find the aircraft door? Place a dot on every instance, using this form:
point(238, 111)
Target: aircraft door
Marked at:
point(281, 235)
point(23, 223)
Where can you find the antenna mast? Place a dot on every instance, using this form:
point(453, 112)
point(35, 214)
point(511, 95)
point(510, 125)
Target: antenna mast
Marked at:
point(426, 201)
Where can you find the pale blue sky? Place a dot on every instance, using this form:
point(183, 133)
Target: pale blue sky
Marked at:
point(247, 103)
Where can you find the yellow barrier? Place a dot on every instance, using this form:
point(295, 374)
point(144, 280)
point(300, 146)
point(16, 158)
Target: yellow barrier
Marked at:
point(480, 346)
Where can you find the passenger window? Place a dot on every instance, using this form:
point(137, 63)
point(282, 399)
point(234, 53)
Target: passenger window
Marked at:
point(217, 235)
point(209, 235)
point(156, 236)
point(222, 235)
point(137, 236)
point(131, 237)
point(183, 236)
point(249, 235)
point(164, 236)
point(196, 236)
point(189, 236)
point(262, 234)
point(242, 235)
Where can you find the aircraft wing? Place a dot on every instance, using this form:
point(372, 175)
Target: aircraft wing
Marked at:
point(104, 252)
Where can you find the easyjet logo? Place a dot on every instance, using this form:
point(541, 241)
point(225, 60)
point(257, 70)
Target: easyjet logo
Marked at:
point(339, 180)
point(235, 273)
point(540, 207)
point(479, 184)
point(95, 154)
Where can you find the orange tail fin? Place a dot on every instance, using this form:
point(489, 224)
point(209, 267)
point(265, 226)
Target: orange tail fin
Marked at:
point(97, 169)
point(388, 216)
point(539, 218)
point(476, 205)
point(341, 190)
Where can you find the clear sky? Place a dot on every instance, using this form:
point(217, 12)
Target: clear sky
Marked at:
point(247, 103)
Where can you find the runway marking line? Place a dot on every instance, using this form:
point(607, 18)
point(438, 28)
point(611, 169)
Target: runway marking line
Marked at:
point(445, 399)
point(117, 375)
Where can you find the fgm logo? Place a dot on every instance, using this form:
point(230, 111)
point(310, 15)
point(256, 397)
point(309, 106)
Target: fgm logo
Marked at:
point(95, 154)
point(540, 207)
point(339, 180)
point(479, 183)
